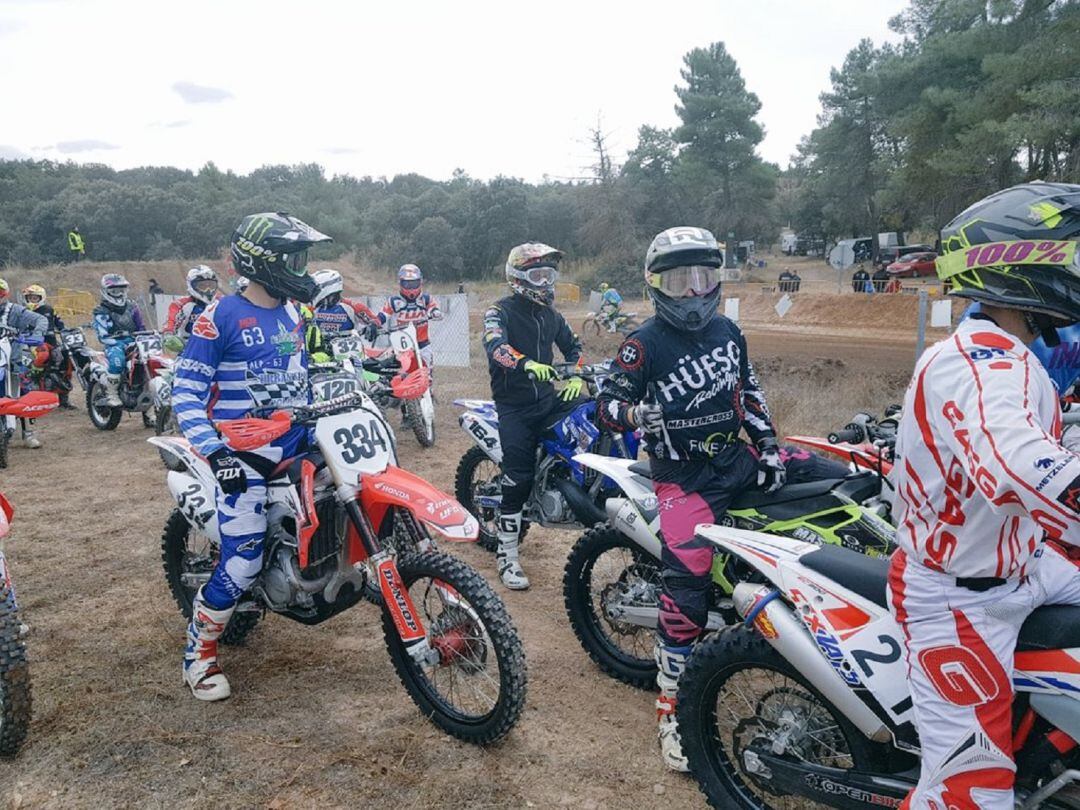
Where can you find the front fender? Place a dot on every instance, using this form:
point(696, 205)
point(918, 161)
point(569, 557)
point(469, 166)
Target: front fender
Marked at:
point(432, 507)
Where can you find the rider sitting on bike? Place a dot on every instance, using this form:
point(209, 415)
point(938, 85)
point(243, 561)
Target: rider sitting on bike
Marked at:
point(246, 357)
point(413, 305)
point(519, 331)
point(983, 485)
point(34, 296)
point(610, 301)
point(115, 319)
point(30, 328)
point(202, 288)
point(705, 394)
point(333, 313)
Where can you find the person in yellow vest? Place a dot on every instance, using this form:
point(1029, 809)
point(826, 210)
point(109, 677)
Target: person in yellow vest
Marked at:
point(76, 244)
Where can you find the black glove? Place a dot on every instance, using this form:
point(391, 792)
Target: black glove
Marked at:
point(371, 332)
point(227, 470)
point(771, 471)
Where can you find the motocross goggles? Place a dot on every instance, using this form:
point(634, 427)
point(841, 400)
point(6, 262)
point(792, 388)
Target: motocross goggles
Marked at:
point(681, 282)
point(410, 283)
point(206, 286)
point(539, 276)
point(296, 263)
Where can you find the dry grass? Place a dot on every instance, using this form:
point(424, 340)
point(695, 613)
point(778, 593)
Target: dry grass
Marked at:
point(318, 717)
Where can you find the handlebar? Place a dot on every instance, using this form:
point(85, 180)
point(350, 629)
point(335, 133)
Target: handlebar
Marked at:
point(852, 434)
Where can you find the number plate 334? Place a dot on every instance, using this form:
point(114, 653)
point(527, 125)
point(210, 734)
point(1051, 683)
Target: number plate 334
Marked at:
point(355, 443)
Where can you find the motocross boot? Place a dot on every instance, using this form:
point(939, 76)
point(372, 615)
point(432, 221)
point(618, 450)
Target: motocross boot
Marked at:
point(507, 555)
point(201, 671)
point(671, 661)
point(65, 401)
point(30, 440)
point(112, 391)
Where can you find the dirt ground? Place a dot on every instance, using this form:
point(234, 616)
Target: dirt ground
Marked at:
point(318, 716)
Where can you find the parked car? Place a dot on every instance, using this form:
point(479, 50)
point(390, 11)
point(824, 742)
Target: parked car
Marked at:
point(894, 253)
point(913, 265)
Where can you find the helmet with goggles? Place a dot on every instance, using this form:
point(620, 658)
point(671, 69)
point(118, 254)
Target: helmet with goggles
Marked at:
point(202, 284)
point(33, 296)
point(114, 290)
point(532, 270)
point(272, 250)
point(682, 271)
point(330, 288)
point(410, 281)
point(1019, 249)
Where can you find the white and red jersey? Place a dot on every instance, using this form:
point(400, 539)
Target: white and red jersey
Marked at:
point(183, 312)
point(981, 478)
point(417, 311)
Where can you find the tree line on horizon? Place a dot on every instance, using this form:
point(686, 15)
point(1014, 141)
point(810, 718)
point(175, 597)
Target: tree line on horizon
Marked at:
point(978, 95)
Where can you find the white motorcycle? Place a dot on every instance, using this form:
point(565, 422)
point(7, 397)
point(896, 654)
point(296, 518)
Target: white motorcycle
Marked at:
point(140, 382)
point(404, 381)
point(812, 704)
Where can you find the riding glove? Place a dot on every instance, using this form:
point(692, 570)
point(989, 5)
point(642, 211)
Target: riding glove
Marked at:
point(541, 371)
point(771, 472)
point(649, 417)
point(573, 389)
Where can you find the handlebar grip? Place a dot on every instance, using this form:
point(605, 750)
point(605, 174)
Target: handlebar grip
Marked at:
point(848, 435)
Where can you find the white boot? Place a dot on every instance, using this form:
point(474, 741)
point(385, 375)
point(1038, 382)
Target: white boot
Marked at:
point(507, 556)
point(201, 671)
point(671, 662)
point(30, 440)
point(112, 391)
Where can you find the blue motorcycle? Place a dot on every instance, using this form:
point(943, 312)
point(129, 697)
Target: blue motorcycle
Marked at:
point(565, 494)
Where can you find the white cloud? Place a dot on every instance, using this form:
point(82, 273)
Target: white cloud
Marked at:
point(200, 94)
point(83, 145)
point(9, 152)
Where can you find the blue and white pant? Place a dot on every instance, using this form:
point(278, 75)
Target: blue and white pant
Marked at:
point(242, 523)
point(116, 354)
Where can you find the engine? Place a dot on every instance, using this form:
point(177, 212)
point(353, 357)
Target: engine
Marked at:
point(553, 507)
point(283, 582)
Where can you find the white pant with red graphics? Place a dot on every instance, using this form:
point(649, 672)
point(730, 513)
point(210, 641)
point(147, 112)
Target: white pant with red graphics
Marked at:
point(960, 646)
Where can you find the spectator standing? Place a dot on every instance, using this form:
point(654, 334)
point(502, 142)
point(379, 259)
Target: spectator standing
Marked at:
point(76, 245)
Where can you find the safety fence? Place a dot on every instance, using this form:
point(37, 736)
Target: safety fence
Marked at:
point(72, 303)
point(567, 293)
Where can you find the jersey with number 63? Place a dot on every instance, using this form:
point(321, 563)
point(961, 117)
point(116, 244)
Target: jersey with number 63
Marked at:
point(241, 360)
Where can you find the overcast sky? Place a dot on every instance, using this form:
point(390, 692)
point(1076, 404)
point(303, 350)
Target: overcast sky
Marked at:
point(366, 88)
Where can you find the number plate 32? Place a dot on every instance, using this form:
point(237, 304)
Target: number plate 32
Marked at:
point(354, 444)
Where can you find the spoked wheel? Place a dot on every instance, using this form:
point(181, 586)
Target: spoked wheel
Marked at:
point(627, 326)
point(477, 477)
point(737, 695)
point(606, 571)
point(15, 704)
point(590, 326)
point(4, 440)
point(165, 425)
point(423, 427)
point(189, 558)
point(476, 690)
point(101, 416)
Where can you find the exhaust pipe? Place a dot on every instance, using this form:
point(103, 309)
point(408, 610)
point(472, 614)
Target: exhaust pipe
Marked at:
point(791, 639)
point(584, 509)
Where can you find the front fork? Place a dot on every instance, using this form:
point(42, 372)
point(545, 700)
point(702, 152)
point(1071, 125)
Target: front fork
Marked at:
point(395, 595)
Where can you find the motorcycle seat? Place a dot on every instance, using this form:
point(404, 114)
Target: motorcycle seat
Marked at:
point(755, 498)
point(1050, 627)
point(866, 576)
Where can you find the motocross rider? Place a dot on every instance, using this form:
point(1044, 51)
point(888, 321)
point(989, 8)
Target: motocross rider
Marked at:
point(610, 301)
point(30, 327)
point(115, 318)
point(519, 331)
point(245, 357)
point(34, 297)
point(982, 484)
point(696, 362)
point(413, 305)
point(202, 288)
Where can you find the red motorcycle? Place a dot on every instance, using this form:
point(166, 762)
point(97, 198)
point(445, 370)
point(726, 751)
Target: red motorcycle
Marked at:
point(29, 406)
point(15, 706)
point(344, 519)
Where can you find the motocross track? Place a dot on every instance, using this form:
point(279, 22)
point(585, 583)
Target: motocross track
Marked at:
point(318, 716)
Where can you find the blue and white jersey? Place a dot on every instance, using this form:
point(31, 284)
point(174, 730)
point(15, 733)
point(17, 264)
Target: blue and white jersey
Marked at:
point(242, 360)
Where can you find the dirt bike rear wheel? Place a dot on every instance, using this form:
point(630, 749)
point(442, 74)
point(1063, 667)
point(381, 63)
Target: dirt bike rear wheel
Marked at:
point(101, 418)
point(623, 651)
point(628, 326)
point(423, 431)
point(726, 701)
point(468, 624)
point(178, 558)
point(4, 440)
point(15, 700)
point(476, 469)
point(165, 425)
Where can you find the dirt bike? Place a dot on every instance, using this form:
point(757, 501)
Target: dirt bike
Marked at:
point(139, 383)
point(611, 582)
point(15, 704)
point(14, 408)
point(565, 494)
point(865, 442)
point(405, 381)
point(597, 322)
point(343, 515)
point(813, 704)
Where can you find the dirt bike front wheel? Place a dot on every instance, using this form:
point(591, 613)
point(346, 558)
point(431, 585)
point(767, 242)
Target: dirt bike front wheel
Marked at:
point(737, 693)
point(15, 703)
point(476, 690)
point(423, 429)
point(102, 417)
point(590, 326)
point(188, 555)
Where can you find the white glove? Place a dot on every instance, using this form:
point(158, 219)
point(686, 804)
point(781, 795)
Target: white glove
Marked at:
point(771, 472)
point(649, 417)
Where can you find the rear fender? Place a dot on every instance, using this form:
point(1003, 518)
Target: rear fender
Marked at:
point(484, 432)
point(618, 470)
point(625, 517)
point(180, 448)
point(196, 502)
point(765, 553)
point(435, 509)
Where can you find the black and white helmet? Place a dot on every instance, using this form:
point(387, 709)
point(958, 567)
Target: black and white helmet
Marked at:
point(532, 270)
point(682, 271)
point(330, 288)
point(271, 249)
point(114, 290)
point(202, 284)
